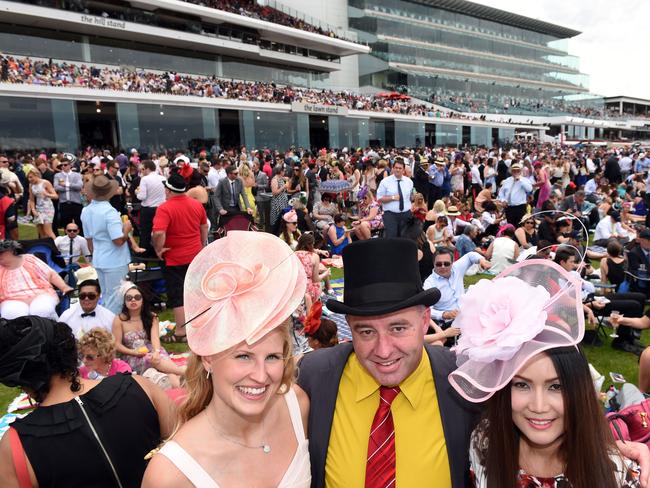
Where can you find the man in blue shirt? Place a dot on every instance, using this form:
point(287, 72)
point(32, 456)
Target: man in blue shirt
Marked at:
point(394, 194)
point(448, 277)
point(514, 193)
point(107, 240)
point(436, 175)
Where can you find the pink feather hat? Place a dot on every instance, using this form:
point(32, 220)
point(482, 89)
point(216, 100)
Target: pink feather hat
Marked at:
point(239, 288)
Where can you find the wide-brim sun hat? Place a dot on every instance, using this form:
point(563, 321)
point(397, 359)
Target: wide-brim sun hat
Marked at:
point(238, 289)
point(452, 211)
point(102, 188)
point(529, 308)
point(381, 276)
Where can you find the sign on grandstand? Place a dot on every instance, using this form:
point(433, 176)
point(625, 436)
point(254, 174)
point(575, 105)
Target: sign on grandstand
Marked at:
point(312, 108)
point(103, 21)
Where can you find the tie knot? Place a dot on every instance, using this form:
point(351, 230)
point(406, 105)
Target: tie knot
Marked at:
point(388, 393)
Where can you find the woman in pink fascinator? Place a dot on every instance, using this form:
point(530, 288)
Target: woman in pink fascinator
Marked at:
point(542, 425)
point(242, 423)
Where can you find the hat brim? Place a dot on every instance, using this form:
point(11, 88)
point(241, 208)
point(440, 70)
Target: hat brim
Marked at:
point(173, 189)
point(452, 214)
point(427, 298)
point(106, 196)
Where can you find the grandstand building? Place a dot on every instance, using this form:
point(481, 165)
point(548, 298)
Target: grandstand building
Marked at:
point(479, 73)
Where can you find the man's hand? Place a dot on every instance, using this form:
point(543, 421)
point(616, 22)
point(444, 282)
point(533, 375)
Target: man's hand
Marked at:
point(162, 252)
point(450, 314)
point(222, 212)
point(637, 452)
point(591, 318)
point(485, 264)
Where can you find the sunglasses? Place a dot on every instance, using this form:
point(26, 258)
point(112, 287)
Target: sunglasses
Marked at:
point(531, 222)
point(72, 230)
point(442, 264)
point(87, 296)
point(133, 298)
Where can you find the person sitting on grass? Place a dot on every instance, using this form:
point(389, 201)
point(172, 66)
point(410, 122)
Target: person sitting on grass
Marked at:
point(97, 352)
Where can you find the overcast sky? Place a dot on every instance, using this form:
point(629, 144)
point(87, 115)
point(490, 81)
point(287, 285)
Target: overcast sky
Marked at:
point(613, 45)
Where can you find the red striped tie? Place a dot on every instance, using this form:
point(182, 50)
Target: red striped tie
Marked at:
point(380, 466)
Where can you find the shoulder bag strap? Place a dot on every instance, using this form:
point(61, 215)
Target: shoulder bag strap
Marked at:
point(19, 458)
point(99, 441)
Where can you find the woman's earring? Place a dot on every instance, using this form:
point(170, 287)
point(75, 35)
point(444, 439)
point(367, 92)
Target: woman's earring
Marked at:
point(207, 375)
point(283, 389)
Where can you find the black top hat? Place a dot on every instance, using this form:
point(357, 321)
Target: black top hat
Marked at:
point(381, 276)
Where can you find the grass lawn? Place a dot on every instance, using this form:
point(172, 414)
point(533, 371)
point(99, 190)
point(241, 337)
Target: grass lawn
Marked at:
point(604, 358)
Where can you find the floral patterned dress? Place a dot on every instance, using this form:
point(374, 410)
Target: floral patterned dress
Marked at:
point(364, 211)
point(135, 339)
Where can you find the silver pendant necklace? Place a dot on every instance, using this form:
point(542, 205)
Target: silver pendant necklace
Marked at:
point(266, 448)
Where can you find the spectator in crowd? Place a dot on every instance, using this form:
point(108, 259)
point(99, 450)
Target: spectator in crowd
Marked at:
point(338, 236)
point(503, 250)
point(613, 266)
point(41, 206)
point(394, 193)
point(127, 416)
point(87, 313)
point(72, 246)
point(180, 230)
point(321, 332)
point(439, 233)
point(8, 216)
point(151, 193)
point(27, 284)
point(639, 264)
point(230, 193)
point(370, 217)
point(465, 243)
point(68, 184)
point(314, 270)
point(447, 278)
point(240, 372)
point(97, 351)
point(107, 238)
point(526, 233)
point(118, 200)
point(137, 336)
point(513, 194)
point(289, 231)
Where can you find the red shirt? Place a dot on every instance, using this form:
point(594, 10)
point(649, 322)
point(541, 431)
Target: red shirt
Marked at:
point(180, 218)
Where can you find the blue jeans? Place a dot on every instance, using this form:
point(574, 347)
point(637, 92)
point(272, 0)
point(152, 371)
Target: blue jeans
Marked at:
point(110, 280)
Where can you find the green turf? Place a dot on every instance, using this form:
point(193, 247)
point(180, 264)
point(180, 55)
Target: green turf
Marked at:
point(604, 358)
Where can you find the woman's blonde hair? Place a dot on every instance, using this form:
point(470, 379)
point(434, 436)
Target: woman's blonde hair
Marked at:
point(199, 385)
point(101, 341)
point(439, 207)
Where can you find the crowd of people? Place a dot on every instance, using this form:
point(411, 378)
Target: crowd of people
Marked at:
point(250, 8)
point(21, 70)
point(564, 231)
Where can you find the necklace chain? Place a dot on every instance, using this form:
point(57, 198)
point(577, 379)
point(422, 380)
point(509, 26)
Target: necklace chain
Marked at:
point(264, 446)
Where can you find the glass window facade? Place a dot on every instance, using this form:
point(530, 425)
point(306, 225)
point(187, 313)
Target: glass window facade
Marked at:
point(462, 59)
point(54, 125)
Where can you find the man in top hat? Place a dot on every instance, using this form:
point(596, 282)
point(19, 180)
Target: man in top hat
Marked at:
point(107, 238)
point(514, 193)
point(382, 410)
point(180, 229)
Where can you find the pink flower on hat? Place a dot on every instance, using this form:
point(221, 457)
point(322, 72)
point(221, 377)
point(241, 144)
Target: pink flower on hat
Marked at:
point(224, 281)
point(497, 317)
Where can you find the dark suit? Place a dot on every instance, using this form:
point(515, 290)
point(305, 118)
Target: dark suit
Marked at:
point(320, 374)
point(223, 195)
point(639, 266)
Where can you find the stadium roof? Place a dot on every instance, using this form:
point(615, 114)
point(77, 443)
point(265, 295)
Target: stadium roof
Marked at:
point(501, 16)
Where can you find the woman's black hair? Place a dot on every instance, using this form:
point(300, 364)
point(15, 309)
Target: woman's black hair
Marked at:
point(146, 314)
point(33, 350)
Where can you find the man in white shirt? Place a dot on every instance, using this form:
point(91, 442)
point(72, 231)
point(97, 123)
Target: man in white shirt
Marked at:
point(72, 246)
point(394, 193)
point(216, 174)
point(514, 192)
point(448, 277)
point(151, 193)
point(87, 314)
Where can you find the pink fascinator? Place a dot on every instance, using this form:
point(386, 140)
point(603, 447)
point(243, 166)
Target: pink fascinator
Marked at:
point(291, 216)
point(530, 307)
point(239, 288)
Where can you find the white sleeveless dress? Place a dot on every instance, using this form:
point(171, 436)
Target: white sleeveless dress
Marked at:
point(298, 475)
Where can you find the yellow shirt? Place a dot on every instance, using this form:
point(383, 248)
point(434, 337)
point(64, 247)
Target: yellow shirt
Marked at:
point(420, 448)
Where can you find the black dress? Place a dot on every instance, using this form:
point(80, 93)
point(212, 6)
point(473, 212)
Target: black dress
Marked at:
point(63, 450)
point(615, 272)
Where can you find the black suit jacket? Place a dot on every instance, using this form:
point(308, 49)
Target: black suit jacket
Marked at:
point(639, 265)
point(320, 374)
point(223, 194)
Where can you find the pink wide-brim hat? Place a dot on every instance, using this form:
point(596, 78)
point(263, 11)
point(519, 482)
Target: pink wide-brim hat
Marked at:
point(529, 308)
point(238, 289)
